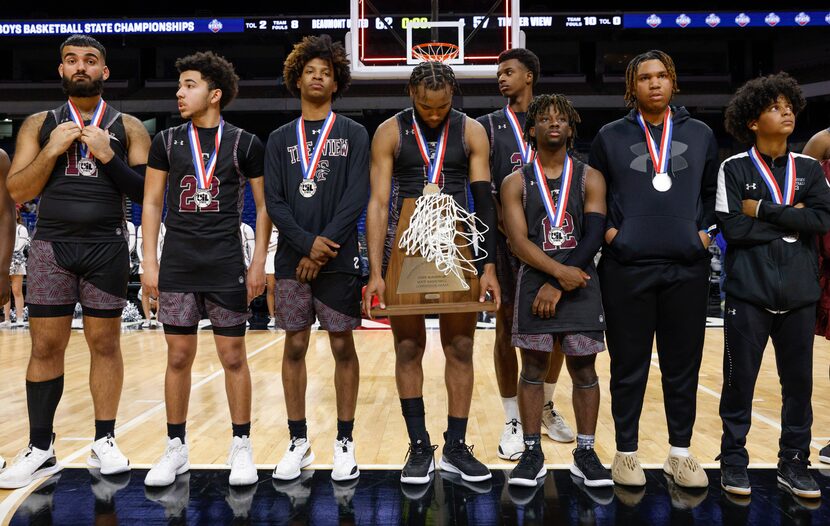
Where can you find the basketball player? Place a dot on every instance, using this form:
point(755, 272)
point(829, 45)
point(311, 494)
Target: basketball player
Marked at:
point(317, 174)
point(556, 234)
point(818, 147)
point(203, 166)
point(517, 74)
point(399, 166)
point(270, 280)
point(81, 159)
point(660, 166)
point(17, 270)
point(7, 226)
point(771, 204)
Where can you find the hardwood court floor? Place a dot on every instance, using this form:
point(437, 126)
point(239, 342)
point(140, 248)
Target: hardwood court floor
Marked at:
point(379, 432)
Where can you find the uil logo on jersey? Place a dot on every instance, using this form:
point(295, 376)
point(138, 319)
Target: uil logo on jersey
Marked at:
point(558, 238)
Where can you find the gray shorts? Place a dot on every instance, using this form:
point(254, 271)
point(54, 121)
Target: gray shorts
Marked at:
point(573, 343)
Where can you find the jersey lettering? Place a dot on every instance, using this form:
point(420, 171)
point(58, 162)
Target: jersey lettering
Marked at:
point(189, 185)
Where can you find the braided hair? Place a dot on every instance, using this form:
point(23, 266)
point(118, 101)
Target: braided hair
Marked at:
point(541, 105)
point(434, 76)
point(631, 74)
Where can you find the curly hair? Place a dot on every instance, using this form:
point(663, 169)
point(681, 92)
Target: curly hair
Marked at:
point(433, 76)
point(542, 104)
point(527, 57)
point(754, 97)
point(323, 48)
point(81, 40)
point(216, 70)
point(631, 74)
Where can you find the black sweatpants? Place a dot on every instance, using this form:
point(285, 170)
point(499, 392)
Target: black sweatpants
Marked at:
point(747, 328)
point(669, 300)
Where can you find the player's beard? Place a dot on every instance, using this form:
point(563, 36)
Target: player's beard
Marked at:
point(89, 88)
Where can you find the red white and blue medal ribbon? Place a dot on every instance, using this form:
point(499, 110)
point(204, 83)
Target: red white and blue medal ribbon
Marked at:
point(556, 213)
point(204, 172)
point(97, 118)
point(787, 197)
point(310, 161)
point(524, 148)
point(435, 166)
point(660, 154)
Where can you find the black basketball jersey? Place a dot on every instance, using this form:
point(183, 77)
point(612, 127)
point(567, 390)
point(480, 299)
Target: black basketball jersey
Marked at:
point(203, 244)
point(80, 202)
point(409, 175)
point(579, 309)
point(333, 208)
point(505, 155)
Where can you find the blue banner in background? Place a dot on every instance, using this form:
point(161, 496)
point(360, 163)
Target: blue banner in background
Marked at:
point(718, 20)
point(159, 26)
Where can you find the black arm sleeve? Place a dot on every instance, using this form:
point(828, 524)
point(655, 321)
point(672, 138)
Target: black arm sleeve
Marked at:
point(129, 180)
point(486, 212)
point(591, 240)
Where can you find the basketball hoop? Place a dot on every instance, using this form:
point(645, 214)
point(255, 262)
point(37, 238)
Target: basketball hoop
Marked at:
point(435, 52)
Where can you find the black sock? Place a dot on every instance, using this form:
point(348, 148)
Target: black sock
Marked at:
point(456, 429)
point(241, 430)
point(104, 428)
point(533, 440)
point(42, 400)
point(176, 430)
point(344, 429)
point(298, 428)
point(413, 415)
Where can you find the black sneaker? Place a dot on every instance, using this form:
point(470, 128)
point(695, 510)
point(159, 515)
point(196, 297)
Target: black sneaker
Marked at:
point(824, 454)
point(794, 475)
point(735, 480)
point(457, 457)
point(588, 467)
point(531, 467)
point(420, 462)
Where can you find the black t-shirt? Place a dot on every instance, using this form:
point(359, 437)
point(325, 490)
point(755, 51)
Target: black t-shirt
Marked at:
point(202, 246)
point(80, 202)
point(342, 191)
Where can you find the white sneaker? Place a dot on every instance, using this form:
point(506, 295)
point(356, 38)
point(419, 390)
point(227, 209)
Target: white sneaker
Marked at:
point(103, 487)
point(555, 426)
point(296, 457)
point(30, 464)
point(272, 323)
point(174, 498)
point(174, 461)
point(345, 465)
point(512, 444)
point(145, 324)
point(241, 459)
point(5, 324)
point(2, 464)
point(106, 456)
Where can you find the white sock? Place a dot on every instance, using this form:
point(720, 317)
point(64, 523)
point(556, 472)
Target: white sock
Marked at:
point(511, 408)
point(549, 389)
point(679, 451)
point(627, 452)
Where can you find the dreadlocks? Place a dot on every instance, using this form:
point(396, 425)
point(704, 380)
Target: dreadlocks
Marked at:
point(433, 76)
point(631, 74)
point(541, 105)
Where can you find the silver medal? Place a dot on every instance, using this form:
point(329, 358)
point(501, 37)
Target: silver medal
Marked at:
point(556, 237)
point(308, 188)
point(661, 182)
point(86, 166)
point(202, 198)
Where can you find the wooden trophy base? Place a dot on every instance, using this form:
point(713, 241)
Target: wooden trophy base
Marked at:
point(415, 286)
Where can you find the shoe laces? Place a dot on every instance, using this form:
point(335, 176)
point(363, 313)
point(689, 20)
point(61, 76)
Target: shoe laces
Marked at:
point(342, 448)
point(514, 426)
point(420, 453)
point(24, 455)
point(589, 457)
point(460, 448)
point(296, 442)
point(529, 456)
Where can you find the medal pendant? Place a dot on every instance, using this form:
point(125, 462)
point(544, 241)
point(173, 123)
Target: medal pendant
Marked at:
point(202, 198)
point(431, 188)
point(556, 237)
point(86, 166)
point(308, 188)
point(661, 182)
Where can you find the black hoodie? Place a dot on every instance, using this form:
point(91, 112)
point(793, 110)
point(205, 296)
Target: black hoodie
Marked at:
point(655, 226)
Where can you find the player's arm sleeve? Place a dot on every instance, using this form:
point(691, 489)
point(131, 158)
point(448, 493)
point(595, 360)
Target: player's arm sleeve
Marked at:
point(356, 195)
point(814, 218)
point(275, 202)
point(738, 228)
point(128, 179)
point(592, 235)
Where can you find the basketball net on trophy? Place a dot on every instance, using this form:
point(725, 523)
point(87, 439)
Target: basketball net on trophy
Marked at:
point(432, 266)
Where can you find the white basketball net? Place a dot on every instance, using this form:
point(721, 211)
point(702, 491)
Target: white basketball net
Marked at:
point(433, 232)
